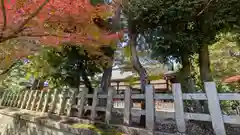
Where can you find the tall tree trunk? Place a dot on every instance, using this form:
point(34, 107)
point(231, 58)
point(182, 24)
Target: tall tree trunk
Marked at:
point(204, 64)
point(141, 71)
point(107, 74)
point(205, 72)
point(106, 79)
point(184, 75)
point(87, 82)
point(187, 81)
point(135, 61)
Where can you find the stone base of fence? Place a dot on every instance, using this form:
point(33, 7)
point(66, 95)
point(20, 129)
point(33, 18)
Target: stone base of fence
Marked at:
point(16, 121)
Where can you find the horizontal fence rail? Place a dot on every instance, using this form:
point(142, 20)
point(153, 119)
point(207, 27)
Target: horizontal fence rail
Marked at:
point(64, 102)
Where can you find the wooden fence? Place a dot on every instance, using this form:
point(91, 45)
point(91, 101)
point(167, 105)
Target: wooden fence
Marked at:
point(63, 102)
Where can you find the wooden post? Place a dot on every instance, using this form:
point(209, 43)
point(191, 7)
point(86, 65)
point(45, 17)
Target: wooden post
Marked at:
point(34, 102)
point(72, 101)
point(17, 98)
point(94, 104)
point(62, 102)
point(127, 107)
point(30, 98)
point(8, 98)
point(4, 97)
point(24, 99)
point(21, 98)
point(83, 93)
point(12, 99)
point(109, 105)
point(150, 108)
point(54, 101)
point(214, 108)
point(178, 105)
point(40, 102)
point(45, 105)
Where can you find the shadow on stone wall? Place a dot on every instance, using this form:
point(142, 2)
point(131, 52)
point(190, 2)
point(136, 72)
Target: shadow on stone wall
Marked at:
point(16, 125)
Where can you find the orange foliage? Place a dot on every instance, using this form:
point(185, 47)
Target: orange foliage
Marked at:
point(232, 79)
point(55, 21)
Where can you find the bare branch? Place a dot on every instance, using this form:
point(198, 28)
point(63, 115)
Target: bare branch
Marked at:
point(21, 27)
point(9, 68)
point(204, 8)
point(25, 35)
point(4, 17)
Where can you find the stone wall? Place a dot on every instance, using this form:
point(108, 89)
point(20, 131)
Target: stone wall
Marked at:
point(24, 122)
point(18, 122)
point(15, 126)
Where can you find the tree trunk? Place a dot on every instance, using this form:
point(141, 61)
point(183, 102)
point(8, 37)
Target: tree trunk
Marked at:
point(87, 82)
point(205, 72)
point(141, 71)
point(187, 83)
point(204, 64)
point(107, 74)
point(136, 63)
point(106, 79)
point(184, 75)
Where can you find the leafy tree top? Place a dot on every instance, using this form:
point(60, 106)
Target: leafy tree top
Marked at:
point(176, 27)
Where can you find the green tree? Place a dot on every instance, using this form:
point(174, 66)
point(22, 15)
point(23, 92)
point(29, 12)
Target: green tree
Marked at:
point(179, 29)
point(65, 65)
point(14, 79)
point(223, 64)
point(185, 27)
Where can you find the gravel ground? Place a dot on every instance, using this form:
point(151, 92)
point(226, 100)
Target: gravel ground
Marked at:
point(198, 128)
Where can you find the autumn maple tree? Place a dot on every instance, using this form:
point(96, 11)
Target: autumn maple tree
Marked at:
point(54, 21)
point(51, 22)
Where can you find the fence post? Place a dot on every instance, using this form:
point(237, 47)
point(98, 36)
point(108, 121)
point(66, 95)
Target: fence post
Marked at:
point(45, 105)
point(83, 93)
point(20, 99)
point(94, 104)
point(16, 99)
point(214, 108)
point(4, 97)
point(178, 105)
point(109, 105)
point(150, 108)
point(30, 99)
point(41, 99)
point(24, 99)
point(12, 99)
point(62, 102)
point(71, 102)
point(54, 101)
point(34, 102)
point(127, 107)
point(9, 98)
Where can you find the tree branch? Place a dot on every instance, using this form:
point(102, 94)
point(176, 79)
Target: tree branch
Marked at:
point(26, 35)
point(35, 13)
point(204, 8)
point(9, 68)
point(21, 27)
point(4, 17)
